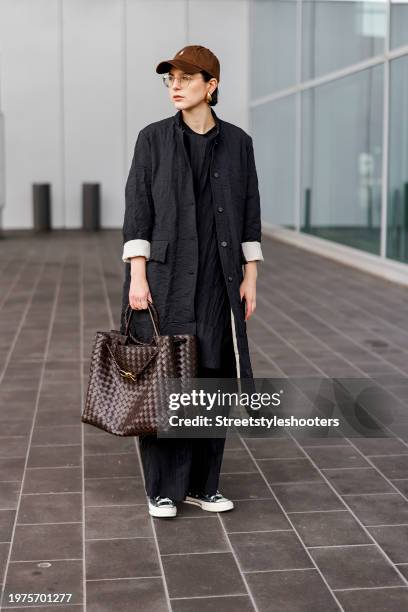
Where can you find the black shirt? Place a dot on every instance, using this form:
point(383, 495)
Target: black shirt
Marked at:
point(212, 305)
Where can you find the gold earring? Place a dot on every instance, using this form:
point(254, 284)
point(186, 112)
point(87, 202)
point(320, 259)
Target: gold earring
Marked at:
point(209, 97)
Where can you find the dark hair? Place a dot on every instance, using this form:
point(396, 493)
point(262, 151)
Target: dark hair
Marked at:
point(214, 95)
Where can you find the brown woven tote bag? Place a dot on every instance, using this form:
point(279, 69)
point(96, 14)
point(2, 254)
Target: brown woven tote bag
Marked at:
point(126, 393)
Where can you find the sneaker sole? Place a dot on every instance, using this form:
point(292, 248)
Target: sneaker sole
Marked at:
point(210, 507)
point(162, 512)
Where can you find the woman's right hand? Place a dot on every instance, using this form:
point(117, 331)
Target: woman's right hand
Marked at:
point(139, 293)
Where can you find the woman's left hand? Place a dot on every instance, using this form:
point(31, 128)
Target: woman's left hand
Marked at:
point(247, 290)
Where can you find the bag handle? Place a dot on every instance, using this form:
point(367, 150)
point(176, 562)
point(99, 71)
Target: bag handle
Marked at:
point(154, 315)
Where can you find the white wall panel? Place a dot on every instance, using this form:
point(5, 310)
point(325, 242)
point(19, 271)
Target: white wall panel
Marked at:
point(30, 94)
point(93, 104)
point(78, 82)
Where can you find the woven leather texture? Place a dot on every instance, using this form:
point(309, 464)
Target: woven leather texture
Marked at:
point(127, 394)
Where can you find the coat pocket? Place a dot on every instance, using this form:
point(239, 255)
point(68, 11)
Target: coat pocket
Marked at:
point(158, 250)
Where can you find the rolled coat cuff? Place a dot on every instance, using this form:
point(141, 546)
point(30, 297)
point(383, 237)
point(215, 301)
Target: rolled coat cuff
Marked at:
point(134, 248)
point(252, 251)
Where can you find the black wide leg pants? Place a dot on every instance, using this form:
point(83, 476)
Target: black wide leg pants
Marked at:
point(174, 466)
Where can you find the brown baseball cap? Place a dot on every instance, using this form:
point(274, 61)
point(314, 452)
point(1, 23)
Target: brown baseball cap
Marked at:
point(192, 59)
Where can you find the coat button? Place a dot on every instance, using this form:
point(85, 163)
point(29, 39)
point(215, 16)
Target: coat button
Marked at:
point(230, 278)
point(220, 209)
point(216, 175)
point(223, 243)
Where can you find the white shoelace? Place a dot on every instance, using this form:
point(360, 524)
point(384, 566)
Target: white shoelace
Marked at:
point(216, 496)
point(163, 500)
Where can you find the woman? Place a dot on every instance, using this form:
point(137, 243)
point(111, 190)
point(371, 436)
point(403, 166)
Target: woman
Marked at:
point(192, 221)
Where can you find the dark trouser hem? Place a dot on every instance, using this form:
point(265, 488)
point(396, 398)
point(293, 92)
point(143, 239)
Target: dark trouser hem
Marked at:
point(175, 466)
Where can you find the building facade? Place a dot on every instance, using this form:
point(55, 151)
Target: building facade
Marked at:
point(329, 117)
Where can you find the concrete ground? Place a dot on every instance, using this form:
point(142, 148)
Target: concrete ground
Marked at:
point(320, 523)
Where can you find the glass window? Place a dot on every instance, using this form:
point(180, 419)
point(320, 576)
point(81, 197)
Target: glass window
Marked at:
point(273, 131)
point(397, 205)
point(273, 46)
point(341, 160)
point(339, 34)
point(399, 23)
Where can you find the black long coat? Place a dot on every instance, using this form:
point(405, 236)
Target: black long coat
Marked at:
point(160, 209)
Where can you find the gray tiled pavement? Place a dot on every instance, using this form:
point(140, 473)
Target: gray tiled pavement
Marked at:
point(319, 524)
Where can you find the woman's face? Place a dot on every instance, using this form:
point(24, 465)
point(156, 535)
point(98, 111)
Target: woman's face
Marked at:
point(188, 94)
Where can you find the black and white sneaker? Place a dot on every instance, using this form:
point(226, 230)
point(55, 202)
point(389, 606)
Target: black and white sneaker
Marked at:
point(162, 506)
point(212, 503)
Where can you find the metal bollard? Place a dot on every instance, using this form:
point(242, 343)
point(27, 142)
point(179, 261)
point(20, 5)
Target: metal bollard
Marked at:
point(308, 209)
point(91, 206)
point(42, 207)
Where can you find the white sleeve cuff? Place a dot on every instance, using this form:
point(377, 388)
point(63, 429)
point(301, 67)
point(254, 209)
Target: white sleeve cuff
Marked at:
point(134, 248)
point(252, 251)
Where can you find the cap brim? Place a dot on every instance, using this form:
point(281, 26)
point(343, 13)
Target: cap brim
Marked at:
point(166, 66)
